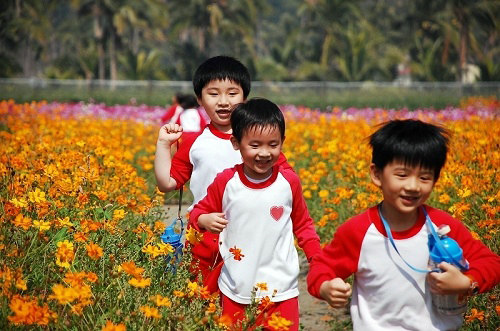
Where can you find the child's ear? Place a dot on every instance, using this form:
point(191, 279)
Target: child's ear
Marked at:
point(198, 99)
point(235, 143)
point(375, 175)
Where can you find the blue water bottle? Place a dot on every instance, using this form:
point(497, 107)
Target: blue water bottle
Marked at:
point(447, 250)
point(170, 236)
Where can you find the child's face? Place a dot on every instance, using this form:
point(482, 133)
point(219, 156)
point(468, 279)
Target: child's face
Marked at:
point(218, 97)
point(404, 188)
point(260, 149)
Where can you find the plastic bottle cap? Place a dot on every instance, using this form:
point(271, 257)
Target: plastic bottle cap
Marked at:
point(443, 230)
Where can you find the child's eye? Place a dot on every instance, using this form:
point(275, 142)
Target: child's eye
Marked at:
point(426, 178)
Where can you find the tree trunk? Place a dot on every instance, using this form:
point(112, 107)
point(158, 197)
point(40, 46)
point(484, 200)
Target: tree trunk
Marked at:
point(112, 60)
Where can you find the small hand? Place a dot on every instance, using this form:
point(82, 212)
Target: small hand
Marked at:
point(214, 222)
point(170, 133)
point(450, 281)
point(336, 292)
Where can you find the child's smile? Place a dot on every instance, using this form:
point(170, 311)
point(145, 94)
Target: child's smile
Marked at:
point(404, 188)
point(260, 149)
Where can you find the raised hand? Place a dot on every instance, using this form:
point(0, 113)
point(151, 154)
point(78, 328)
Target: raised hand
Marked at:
point(170, 133)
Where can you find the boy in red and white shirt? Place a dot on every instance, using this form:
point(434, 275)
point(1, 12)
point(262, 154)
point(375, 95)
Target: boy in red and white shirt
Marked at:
point(258, 207)
point(219, 83)
point(389, 294)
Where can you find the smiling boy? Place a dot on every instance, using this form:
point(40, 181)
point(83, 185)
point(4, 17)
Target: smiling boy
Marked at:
point(407, 159)
point(258, 207)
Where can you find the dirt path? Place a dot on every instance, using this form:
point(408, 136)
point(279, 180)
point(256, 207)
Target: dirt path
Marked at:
point(314, 313)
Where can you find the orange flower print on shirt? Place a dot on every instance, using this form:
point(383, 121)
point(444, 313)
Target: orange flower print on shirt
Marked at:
point(236, 253)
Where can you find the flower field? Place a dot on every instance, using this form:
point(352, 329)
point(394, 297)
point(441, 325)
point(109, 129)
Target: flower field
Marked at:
point(81, 216)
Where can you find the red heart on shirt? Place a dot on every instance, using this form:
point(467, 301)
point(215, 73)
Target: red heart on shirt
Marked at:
point(277, 212)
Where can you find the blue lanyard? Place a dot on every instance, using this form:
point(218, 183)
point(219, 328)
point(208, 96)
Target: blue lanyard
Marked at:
point(442, 250)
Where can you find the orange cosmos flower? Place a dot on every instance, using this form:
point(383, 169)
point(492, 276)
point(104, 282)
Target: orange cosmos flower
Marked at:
point(22, 222)
point(264, 303)
point(112, 327)
point(28, 312)
point(131, 269)
point(150, 311)
point(140, 282)
point(10, 209)
point(65, 253)
point(474, 314)
point(212, 308)
point(278, 323)
point(94, 251)
point(497, 308)
point(80, 237)
point(63, 294)
point(237, 253)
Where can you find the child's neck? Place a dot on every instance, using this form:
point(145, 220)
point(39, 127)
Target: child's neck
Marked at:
point(398, 221)
point(223, 128)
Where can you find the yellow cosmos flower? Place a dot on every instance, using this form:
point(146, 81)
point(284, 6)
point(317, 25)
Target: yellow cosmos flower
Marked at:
point(193, 236)
point(150, 311)
point(307, 194)
point(36, 196)
point(279, 323)
point(19, 203)
point(323, 193)
point(140, 282)
point(261, 286)
point(161, 301)
point(42, 225)
point(118, 214)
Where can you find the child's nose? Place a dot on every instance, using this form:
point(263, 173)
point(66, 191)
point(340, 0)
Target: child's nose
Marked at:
point(412, 184)
point(223, 100)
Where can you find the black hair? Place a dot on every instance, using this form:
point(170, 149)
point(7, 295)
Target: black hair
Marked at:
point(413, 142)
point(221, 67)
point(188, 101)
point(256, 113)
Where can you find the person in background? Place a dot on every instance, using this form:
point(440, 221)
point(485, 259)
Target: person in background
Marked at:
point(172, 109)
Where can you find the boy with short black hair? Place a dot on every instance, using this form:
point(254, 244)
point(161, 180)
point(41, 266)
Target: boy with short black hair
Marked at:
point(219, 83)
point(258, 207)
point(389, 294)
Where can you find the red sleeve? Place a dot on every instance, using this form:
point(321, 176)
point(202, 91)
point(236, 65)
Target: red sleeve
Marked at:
point(484, 265)
point(283, 162)
point(340, 257)
point(212, 202)
point(181, 164)
point(303, 224)
point(169, 113)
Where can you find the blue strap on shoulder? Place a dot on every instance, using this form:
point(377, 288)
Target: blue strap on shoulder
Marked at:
point(442, 250)
point(389, 235)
